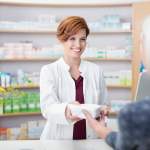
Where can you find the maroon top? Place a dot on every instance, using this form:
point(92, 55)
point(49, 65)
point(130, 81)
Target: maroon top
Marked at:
point(79, 130)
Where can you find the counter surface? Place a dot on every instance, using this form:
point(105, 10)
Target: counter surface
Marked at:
point(55, 145)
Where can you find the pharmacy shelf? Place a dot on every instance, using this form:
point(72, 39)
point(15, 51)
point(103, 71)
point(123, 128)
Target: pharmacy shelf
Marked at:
point(64, 3)
point(106, 59)
point(55, 58)
point(30, 59)
point(109, 86)
point(20, 114)
point(111, 31)
point(37, 113)
point(28, 31)
point(113, 114)
point(26, 87)
point(118, 86)
point(53, 31)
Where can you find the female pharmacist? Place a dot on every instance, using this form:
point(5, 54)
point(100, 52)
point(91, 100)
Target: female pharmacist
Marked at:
point(134, 122)
point(70, 80)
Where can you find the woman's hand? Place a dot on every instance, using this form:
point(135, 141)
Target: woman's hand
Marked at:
point(69, 115)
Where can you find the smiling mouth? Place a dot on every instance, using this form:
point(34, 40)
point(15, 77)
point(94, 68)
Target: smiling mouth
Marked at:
point(76, 50)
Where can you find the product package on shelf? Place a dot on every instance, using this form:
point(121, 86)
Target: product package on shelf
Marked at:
point(117, 105)
point(20, 79)
point(15, 101)
point(13, 133)
point(3, 134)
point(1, 106)
point(118, 78)
point(30, 130)
point(33, 102)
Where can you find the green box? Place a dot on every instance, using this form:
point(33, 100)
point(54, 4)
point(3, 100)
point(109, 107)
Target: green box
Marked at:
point(8, 105)
point(15, 105)
point(31, 102)
point(24, 102)
point(1, 106)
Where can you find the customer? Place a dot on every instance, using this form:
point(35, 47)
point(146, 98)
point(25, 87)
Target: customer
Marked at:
point(134, 119)
point(70, 80)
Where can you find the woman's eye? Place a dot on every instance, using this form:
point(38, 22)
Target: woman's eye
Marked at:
point(72, 39)
point(83, 39)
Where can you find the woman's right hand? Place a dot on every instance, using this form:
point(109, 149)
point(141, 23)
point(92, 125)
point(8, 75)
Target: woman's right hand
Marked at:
point(69, 115)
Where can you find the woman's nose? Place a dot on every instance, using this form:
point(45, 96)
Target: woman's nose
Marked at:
point(78, 43)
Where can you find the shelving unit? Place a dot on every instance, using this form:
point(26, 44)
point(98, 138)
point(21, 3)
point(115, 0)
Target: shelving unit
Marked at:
point(40, 36)
point(54, 59)
point(36, 87)
point(26, 87)
point(37, 113)
point(68, 4)
point(53, 31)
point(118, 86)
point(138, 17)
point(20, 114)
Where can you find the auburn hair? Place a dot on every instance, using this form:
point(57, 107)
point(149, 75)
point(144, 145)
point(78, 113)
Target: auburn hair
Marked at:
point(70, 26)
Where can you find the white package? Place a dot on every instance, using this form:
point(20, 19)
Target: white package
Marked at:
point(76, 110)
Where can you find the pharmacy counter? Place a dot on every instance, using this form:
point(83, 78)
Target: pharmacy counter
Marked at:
point(55, 145)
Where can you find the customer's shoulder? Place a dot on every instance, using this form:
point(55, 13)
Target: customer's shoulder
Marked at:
point(138, 105)
point(135, 110)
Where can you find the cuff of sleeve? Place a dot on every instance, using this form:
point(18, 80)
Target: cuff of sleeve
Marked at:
point(57, 114)
point(111, 139)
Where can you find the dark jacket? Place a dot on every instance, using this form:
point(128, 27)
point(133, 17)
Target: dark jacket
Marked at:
point(134, 128)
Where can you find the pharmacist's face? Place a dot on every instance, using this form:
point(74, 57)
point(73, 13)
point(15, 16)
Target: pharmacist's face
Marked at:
point(75, 45)
point(146, 51)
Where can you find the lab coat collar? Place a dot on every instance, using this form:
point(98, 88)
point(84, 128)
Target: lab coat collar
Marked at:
point(64, 64)
point(82, 67)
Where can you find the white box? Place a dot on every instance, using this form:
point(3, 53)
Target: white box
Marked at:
point(76, 110)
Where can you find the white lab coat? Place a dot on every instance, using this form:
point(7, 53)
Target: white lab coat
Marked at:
point(57, 89)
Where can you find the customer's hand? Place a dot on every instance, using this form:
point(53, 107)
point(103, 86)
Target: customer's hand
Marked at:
point(69, 115)
point(105, 110)
point(92, 121)
point(97, 126)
